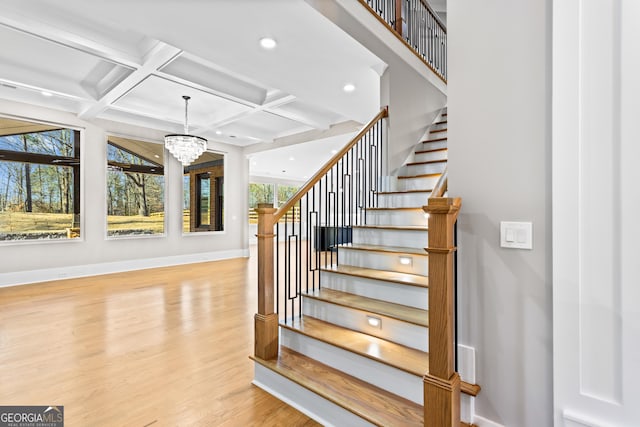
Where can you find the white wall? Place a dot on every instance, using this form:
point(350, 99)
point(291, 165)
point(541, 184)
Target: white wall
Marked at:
point(93, 254)
point(404, 78)
point(596, 229)
point(500, 164)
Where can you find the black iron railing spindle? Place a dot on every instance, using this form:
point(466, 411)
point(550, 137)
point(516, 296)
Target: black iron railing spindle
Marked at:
point(311, 227)
point(424, 32)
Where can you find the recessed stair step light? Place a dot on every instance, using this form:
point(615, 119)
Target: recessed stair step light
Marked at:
point(374, 322)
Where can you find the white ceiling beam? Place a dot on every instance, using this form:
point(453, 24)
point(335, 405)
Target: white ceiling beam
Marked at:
point(302, 119)
point(65, 38)
point(255, 109)
point(157, 57)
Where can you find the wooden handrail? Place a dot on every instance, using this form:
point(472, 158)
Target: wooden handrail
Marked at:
point(441, 186)
point(331, 163)
point(396, 30)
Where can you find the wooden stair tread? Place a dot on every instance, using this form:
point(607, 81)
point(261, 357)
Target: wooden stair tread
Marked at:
point(431, 151)
point(440, 123)
point(396, 355)
point(388, 276)
point(379, 248)
point(428, 162)
point(405, 192)
point(377, 406)
point(400, 312)
point(426, 175)
point(394, 227)
point(434, 140)
point(416, 208)
point(438, 130)
point(407, 359)
point(470, 389)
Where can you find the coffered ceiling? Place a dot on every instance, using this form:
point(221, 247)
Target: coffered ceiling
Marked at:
point(132, 61)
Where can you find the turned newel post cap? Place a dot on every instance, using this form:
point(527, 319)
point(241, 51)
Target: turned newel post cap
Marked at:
point(265, 208)
point(442, 205)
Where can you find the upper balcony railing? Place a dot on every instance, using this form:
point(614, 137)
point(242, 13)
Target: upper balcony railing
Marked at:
point(419, 27)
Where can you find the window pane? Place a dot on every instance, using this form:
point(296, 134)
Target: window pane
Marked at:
point(135, 188)
point(204, 199)
point(39, 181)
point(203, 194)
point(258, 193)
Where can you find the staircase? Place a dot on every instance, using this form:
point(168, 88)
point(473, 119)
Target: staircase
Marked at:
point(358, 353)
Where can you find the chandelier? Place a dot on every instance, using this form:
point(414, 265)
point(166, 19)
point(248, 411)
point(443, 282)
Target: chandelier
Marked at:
point(184, 147)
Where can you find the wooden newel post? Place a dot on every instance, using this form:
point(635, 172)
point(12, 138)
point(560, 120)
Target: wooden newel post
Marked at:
point(265, 320)
point(441, 383)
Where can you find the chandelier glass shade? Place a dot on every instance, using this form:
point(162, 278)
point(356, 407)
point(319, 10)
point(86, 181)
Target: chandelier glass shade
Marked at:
point(184, 147)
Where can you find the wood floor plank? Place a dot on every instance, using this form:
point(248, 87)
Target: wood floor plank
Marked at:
point(388, 276)
point(377, 406)
point(159, 347)
point(410, 360)
point(370, 305)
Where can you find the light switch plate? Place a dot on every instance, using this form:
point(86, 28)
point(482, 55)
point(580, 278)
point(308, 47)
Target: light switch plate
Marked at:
point(516, 235)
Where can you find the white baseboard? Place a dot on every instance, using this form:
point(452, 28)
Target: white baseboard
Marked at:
point(483, 422)
point(75, 271)
point(571, 419)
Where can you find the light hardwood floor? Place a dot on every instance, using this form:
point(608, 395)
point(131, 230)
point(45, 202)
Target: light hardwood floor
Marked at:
point(158, 347)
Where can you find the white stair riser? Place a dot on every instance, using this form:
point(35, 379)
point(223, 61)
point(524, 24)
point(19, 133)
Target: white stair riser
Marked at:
point(430, 155)
point(397, 217)
point(467, 408)
point(437, 126)
point(437, 135)
point(431, 145)
point(425, 168)
point(389, 261)
point(412, 296)
point(379, 374)
point(403, 200)
point(380, 236)
point(421, 183)
point(394, 330)
point(309, 403)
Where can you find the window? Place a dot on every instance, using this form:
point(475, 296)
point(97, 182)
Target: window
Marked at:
point(259, 193)
point(135, 188)
point(276, 194)
point(203, 194)
point(39, 181)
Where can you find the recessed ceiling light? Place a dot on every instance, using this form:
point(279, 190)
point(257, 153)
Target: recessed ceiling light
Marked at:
point(334, 151)
point(156, 156)
point(268, 43)
point(218, 132)
point(45, 93)
point(349, 87)
point(292, 158)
